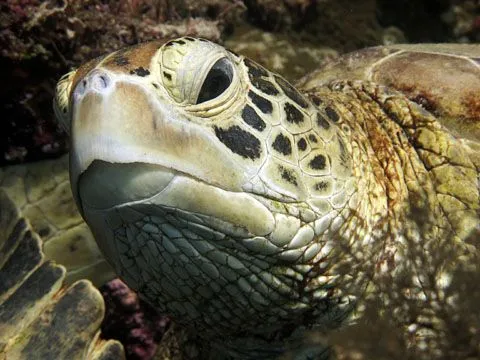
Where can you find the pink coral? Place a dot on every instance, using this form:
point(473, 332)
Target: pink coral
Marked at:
point(132, 321)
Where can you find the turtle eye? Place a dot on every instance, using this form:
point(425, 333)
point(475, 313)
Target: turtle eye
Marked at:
point(217, 81)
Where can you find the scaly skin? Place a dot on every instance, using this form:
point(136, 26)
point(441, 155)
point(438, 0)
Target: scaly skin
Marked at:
point(253, 212)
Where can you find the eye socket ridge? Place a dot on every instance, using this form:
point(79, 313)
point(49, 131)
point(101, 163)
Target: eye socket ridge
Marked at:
point(217, 81)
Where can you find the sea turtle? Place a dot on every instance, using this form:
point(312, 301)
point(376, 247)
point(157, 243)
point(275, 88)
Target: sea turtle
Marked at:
point(252, 211)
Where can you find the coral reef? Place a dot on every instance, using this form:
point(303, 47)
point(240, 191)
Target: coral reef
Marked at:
point(131, 321)
point(343, 25)
point(463, 20)
point(433, 21)
point(287, 55)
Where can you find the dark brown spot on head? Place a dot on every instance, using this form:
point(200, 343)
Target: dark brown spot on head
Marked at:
point(167, 75)
point(321, 186)
point(291, 92)
point(257, 75)
point(189, 38)
point(264, 85)
point(263, 104)
point(155, 85)
point(121, 60)
point(294, 115)
point(250, 116)
point(132, 58)
point(302, 144)
point(181, 42)
point(254, 69)
point(282, 144)
point(313, 138)
point(318, 162)
point(332, 114)
point(322, 122)
point(239, 141)
point(288, 175)
point(316, 100)
point(140, 71)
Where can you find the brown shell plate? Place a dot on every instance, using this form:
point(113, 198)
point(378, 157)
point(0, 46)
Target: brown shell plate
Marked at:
point(443, 78)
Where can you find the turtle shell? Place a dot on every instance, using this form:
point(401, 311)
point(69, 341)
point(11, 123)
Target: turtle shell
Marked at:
point(443, 78)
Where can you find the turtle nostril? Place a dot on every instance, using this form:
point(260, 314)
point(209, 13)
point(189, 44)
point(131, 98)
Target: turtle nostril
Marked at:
point(101, 81)
point(81, 87)
point(97, 81)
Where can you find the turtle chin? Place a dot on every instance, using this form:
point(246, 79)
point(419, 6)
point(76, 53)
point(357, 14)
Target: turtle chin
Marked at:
point(127, 205)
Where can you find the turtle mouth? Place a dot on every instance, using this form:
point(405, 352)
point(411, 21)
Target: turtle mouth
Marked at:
point(104, 187)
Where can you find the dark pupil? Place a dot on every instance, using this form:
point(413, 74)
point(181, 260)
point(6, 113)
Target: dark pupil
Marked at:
point(217, 81)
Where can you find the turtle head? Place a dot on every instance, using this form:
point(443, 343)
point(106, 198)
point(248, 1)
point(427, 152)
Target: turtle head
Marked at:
point(149, 105)
point(187, 140)
point(194, 108)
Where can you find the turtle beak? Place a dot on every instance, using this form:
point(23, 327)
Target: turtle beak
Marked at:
point(127, 143)
point(108, 164)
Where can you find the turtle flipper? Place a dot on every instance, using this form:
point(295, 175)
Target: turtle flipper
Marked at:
point(41, 191)
point(39, 318)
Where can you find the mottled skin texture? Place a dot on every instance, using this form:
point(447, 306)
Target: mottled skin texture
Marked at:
point(252, 212)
